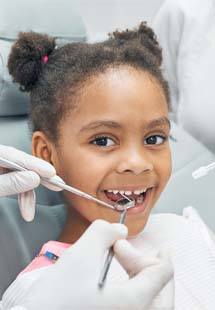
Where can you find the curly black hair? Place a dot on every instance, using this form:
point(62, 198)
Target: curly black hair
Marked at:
point(52, 75)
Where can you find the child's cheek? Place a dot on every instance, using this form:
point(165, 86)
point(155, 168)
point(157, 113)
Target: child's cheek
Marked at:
point(165, 166)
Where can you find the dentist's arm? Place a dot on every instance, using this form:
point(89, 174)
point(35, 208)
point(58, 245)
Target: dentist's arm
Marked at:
point(23, 182)
point(72, 282)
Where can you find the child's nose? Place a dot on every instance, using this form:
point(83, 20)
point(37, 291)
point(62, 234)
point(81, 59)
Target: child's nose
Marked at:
point(134, 161)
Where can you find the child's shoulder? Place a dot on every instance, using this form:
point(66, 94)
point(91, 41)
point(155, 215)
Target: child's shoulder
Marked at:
point(42, 260)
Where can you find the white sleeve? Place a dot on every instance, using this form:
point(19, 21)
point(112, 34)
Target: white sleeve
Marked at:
point(186, 32)
point(14, 296)
point(168, 25)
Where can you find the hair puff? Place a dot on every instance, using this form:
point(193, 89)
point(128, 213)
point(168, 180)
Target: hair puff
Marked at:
point(25, 62)
point(142, 35)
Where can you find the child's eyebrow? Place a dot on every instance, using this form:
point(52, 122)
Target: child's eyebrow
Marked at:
point(97, 124)
point(162, 121)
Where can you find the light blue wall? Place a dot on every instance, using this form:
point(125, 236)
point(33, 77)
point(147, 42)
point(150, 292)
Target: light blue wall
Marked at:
point(103, 16)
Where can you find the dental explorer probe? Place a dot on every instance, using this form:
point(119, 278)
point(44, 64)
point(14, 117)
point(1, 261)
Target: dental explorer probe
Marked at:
point(124, 202)
point(55, 181)
point(202, 171)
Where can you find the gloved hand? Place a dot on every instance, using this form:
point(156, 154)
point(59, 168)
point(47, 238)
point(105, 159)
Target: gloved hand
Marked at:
point(72, 282)
point(147, 276)
point(23, 182)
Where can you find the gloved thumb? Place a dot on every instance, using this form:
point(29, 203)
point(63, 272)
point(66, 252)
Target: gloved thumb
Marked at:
point(147, 276)
point(131, 259)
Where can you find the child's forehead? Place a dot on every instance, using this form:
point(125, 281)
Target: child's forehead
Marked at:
point(121, 93)
point(115, 82)
point(115, 74)
point(119, 117)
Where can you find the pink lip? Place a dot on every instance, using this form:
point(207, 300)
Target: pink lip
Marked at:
point(143, 206)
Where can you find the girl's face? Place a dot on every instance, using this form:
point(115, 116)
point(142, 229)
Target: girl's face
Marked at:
point(115, 140)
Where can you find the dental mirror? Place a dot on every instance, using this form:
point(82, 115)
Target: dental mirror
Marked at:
point(124, 203)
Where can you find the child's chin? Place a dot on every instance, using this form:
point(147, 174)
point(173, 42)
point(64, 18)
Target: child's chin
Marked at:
point(133, 232)
point(137, 223)
point(135, 228)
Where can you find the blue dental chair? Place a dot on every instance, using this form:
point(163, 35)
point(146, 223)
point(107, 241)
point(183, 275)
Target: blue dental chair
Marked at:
point(20, 241)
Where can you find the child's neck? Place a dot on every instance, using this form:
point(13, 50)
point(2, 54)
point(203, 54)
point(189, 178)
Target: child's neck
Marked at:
point(75, 226)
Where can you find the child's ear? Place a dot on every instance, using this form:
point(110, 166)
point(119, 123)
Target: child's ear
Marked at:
point(43, 148)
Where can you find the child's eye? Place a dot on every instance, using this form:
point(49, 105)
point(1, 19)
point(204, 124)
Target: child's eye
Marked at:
point(155, 139)
point(103, 141)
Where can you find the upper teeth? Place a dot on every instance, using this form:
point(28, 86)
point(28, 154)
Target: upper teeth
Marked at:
point(136, 192)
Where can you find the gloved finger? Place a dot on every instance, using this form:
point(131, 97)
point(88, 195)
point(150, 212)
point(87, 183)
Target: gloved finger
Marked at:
point(50, 186)
point(41, 167)
point(18, 182)
point(101, 235)
point(27, 204)
point(131, 259)
point(152, 279)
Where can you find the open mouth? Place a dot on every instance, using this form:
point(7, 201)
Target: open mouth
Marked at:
point(138, 196)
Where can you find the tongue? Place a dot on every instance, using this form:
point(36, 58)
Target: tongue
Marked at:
point(113, 197)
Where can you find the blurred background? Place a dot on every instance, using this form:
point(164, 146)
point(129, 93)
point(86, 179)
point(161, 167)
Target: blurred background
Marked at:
point(103, 16)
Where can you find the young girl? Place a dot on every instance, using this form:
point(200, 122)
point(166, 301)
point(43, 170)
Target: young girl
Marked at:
point(99, 114)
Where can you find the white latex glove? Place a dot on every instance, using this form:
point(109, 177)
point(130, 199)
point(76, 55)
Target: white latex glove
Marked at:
point(23, 182)
point(72, 282)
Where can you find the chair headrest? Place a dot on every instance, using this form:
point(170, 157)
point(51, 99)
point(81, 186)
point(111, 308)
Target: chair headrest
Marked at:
point(58, 18)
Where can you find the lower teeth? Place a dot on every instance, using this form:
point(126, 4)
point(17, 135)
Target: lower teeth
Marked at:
point(140, 199)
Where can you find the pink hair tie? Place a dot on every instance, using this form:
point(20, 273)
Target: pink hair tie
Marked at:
point(45, 59)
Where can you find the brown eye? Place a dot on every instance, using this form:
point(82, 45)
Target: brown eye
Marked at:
point(156, 139)
point(103, 141)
